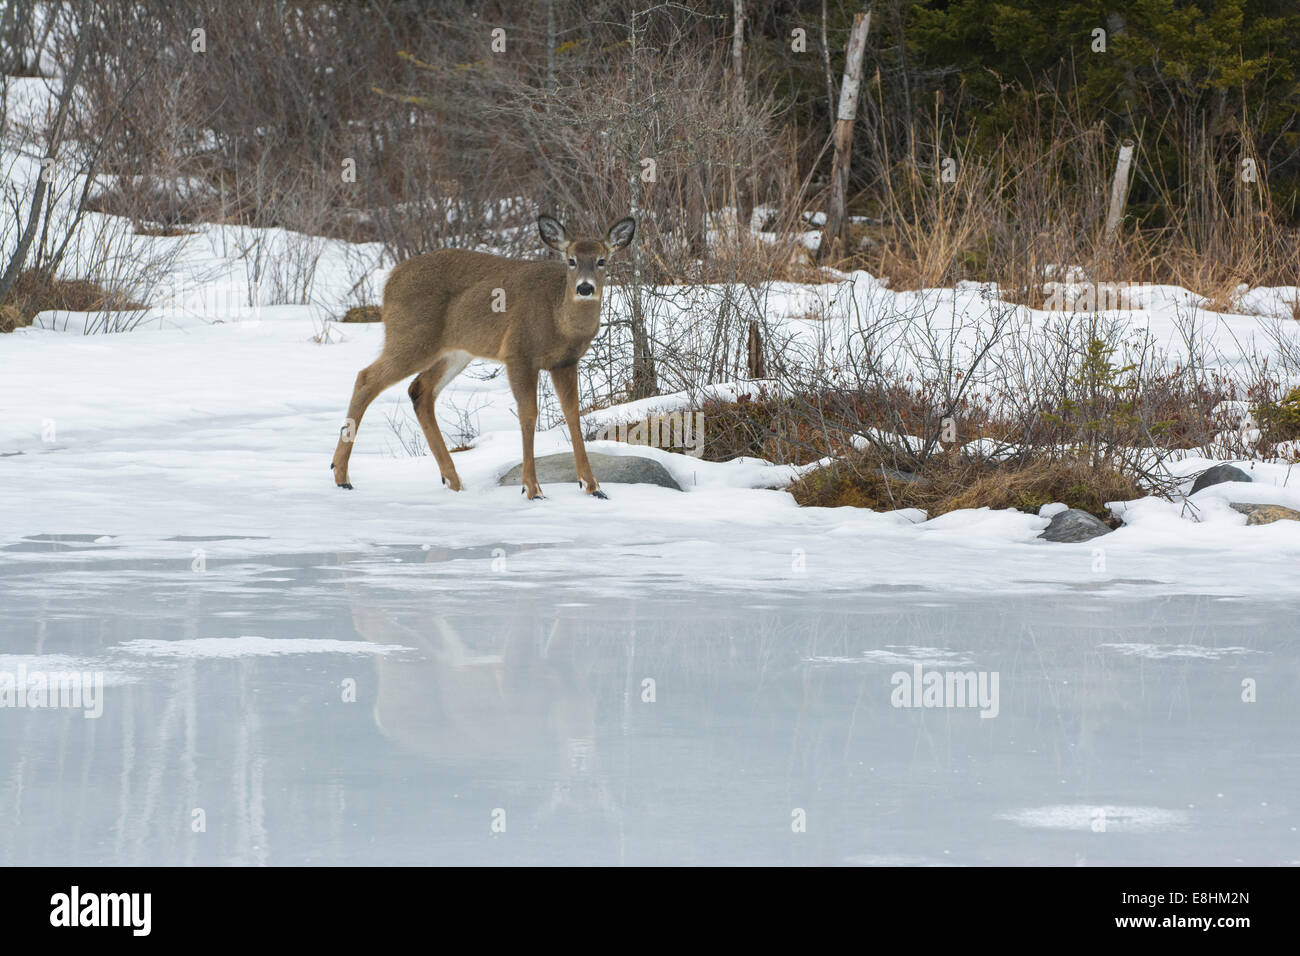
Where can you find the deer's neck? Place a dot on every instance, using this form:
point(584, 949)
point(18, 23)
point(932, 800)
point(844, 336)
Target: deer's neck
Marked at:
point(578, 320)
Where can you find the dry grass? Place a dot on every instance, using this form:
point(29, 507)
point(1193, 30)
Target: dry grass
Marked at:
point(11, 317)
point(804, 430)
point(363, 313)
point(167, 232)
point(155, 207)
point(949, 483)
point(35, 292)
point(950, 213)
point(814, 425)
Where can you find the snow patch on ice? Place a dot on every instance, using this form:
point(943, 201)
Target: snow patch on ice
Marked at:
point(1157, 652)
point(1083, 817)
point(899, 655)
point(252, 646)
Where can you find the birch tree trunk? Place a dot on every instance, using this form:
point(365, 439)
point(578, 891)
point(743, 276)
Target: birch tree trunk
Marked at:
point(644, 382)
point(738, 38)
point(836, 208)
point(1119, 189)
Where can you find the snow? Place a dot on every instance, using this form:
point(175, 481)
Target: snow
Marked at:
point(1159, 652)
point(1085, 817)
point(251, 646)
point(215, 413)
point(190, 427)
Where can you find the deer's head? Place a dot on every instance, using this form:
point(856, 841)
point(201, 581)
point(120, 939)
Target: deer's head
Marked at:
point(586, 256)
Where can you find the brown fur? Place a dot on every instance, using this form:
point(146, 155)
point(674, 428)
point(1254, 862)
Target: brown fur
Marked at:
point(438, 313)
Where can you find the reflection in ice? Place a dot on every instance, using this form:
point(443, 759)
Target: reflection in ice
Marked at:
point(494, 724)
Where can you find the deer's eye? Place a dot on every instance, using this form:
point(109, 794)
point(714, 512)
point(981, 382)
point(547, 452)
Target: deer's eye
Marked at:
point(601, 263)
point(573, 263)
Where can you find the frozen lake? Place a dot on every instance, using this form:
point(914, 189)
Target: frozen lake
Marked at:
point(402, 705)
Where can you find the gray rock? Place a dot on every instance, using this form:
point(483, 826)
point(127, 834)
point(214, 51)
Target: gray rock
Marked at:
point(609, 469)
point(1074, 525)
point(1265, 514)
point(1217, 476)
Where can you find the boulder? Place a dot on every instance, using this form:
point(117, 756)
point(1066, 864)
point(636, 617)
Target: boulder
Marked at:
point(1265, 514)
point(609, 469)
point(1217, 476)
point(1074, 525)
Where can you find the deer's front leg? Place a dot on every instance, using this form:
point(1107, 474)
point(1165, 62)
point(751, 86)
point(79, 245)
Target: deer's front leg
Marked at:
point(565, 379)
point(523, 382)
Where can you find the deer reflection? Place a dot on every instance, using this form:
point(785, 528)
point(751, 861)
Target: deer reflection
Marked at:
point(512, 702)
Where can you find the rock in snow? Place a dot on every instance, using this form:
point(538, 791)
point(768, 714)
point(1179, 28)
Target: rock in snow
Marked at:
point(1218, 475)
point(1266, 514)
point(612, 469)
point(1074, 525)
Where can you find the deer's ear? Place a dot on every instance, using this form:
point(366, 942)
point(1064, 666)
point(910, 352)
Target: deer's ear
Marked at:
point(553, 233)
point(621, 233)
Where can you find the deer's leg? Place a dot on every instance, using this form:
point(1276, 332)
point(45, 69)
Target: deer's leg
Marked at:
point(424, 395)
point(371, 381)
point(565, 379)
point(523, 382)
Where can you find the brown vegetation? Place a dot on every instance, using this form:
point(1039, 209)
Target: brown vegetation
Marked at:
point(363, 313)
point(35, 292)
point(950, 483)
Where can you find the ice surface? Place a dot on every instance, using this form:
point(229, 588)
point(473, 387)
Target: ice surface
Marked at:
point(524, 692)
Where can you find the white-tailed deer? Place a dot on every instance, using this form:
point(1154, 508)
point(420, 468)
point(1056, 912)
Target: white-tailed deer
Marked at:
point(443, 308)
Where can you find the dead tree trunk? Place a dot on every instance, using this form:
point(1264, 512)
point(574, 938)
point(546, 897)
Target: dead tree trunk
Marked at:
point(757, 367)
point(1119, 190)
point(695, 226)
point(836, 207)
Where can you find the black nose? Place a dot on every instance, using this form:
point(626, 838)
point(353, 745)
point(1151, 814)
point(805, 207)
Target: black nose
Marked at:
point(585, 288)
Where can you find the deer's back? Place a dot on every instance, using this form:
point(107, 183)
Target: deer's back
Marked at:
point(436, 279)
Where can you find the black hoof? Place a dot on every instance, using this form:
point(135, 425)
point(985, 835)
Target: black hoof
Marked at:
point(600, 494)
point(347, 485)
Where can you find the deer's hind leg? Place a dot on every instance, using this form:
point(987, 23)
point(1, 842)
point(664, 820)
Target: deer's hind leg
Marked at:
point(424, 395)
point(371, 381)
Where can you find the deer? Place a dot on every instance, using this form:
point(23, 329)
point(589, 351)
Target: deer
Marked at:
point(444, 308)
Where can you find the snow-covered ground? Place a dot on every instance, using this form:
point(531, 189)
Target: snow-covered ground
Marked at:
point(229, 429)
point(216, 414)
